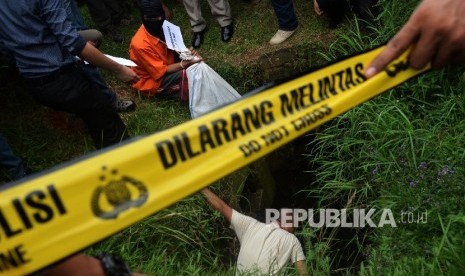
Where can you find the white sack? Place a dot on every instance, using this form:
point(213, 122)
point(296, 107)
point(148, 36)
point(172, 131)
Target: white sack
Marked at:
point(207, 89)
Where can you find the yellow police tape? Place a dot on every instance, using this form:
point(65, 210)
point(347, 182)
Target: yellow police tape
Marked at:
point(48, 217)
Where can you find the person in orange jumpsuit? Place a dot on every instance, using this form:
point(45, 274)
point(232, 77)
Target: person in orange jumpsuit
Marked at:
point(161, 71)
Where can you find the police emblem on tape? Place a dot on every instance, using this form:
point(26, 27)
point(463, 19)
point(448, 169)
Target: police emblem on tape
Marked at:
point(117, 195)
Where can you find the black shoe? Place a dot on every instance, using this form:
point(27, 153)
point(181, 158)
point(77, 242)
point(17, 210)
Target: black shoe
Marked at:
point(124, 106)
point(227, 32)
point(197, 39)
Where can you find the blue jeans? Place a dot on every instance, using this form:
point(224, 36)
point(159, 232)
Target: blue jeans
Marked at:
point(284, 10)
point(12, 163)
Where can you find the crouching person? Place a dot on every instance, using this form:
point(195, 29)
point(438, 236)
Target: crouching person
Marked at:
point(265, 248)
point(160, 70)
point(44, 42)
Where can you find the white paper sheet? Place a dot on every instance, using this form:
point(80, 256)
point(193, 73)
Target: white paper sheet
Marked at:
point(173, 37)
point(122, 61)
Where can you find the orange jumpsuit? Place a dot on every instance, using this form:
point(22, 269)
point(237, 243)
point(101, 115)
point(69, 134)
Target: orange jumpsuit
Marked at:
point(152, 58)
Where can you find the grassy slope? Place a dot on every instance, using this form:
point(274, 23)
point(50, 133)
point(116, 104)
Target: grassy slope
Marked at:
point(25, 123)
point(403, 151)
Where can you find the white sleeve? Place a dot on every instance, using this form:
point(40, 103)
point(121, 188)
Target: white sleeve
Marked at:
point(240, 223)
point(297, 252)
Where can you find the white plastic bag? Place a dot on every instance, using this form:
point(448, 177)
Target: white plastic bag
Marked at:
point(207, 89)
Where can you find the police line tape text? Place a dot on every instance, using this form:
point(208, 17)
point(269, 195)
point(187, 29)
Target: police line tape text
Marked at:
point(13, 258)
point(183, 147)
point(37, 207)
point(276, 135)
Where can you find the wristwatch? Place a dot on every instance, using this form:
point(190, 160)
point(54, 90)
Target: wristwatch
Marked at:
point(114, 265)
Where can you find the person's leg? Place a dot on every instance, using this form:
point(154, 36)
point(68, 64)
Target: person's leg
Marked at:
point(221, 10)
point(91, 71)
point(99, 13)
point(284, 10)
point(103, 18)
point(198, 23)
point(175, 86)
point(116, 10)
point(335, 9)
point(73, 92)
point(126, 8)
point(105, 126)
point(93, 74)
point(366, 10)
point(287, 20)
point(12, 163)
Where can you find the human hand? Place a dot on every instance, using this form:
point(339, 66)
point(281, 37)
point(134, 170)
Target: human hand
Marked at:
point(193, 61)
point(437, 31)
point(196, 55)
point(197, 58)
point(127, 75)
point(316, 8)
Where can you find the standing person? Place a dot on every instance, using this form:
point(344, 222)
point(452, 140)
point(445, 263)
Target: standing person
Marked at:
point(44, 43)
point(287, 20)
point(160, 70)
point(265, 248)
point(220, 10)
point(109, 15)
point(436, 30)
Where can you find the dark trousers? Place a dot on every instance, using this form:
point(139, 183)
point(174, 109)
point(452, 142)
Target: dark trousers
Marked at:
point(284, 10)
point(71, 91)
point(12, 163)
point(367, 10)
point(105, 12)
point(94, 75)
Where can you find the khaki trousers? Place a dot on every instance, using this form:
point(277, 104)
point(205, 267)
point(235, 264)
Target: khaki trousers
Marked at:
point(220, 9)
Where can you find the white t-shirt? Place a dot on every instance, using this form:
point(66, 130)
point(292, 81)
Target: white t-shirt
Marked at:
point(265, 248)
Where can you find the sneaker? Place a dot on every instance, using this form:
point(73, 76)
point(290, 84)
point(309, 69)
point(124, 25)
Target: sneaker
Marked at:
point(281, 36)
point(124, 106)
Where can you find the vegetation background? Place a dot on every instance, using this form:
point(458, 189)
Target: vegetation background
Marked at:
point(403, 150)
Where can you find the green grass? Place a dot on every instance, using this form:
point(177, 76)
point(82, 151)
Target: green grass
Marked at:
point(404, 151)
point(188, 238)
